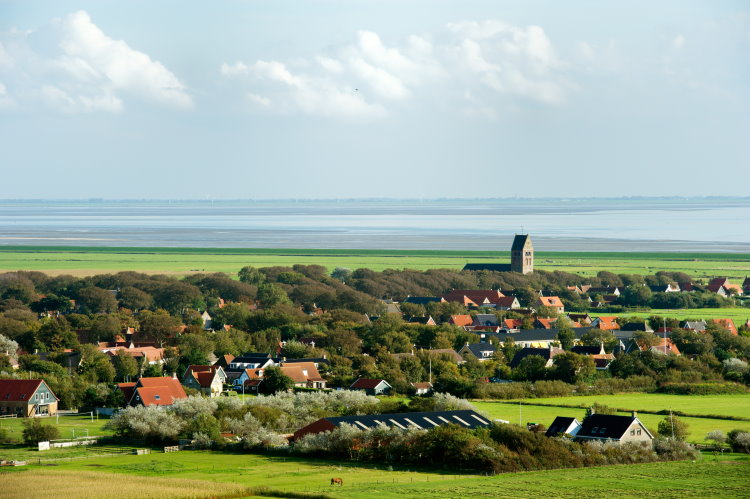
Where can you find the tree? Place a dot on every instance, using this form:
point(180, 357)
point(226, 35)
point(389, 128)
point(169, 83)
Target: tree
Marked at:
point(274, 380)
point(126, 366)
point(595, 337)
point(135, 299)
point(56, 334)
point(251, 275)
point(158, 325)
point(341, 273)
point(105, 328)
point(271, 294)
point(95, 365)
point(645, 339)
point(531, 368)
point(572, 368)
point(96, 300)
point(34, 432)
point(8, 346)
point(566, 336)
point(673, 427)
point(598, 408)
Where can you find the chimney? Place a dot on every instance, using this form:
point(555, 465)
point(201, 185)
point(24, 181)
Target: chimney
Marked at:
point(635, 414)
point(174, 375)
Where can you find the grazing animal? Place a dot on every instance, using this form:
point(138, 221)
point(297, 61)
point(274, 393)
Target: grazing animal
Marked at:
point(337, 481)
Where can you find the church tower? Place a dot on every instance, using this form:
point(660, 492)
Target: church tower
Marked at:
point(522, 254)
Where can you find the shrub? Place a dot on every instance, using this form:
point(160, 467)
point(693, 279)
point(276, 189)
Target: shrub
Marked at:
point(674, 450)
point(149, 423)
point(739, 440)
point(673, 427)
point(718, 437)
point(702, 388)
point(34, 432)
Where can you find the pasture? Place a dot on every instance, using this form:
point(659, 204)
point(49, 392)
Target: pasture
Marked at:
point(82, 261)
point(216, 474)
point(75, 425)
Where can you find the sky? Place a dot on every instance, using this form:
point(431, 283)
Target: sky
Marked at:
point(240, 99)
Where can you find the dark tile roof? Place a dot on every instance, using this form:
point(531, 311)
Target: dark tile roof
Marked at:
point(476, 349)
point(605, 426)
point(366, 383)
point(422, 300)
point(418, 420)
point(519, 242)
point(494, 267)
point(586, 350)
point(540, 334)
point(559, 425)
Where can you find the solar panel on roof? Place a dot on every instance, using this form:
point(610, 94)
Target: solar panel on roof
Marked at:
point(397, 424)
point(461, 421)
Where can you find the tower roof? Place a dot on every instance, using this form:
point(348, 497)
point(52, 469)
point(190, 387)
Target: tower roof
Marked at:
point(519, 242)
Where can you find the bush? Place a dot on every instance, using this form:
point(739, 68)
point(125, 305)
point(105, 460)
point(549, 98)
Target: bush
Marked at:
point(739, 440)
point(148, 423)
point(673, 427)
point(702, 388)
point(34, 432)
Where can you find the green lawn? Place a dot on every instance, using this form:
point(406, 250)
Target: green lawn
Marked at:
point(93, 260)
point(710, 476)
point(699, 405)
point(529, 413)
point(69, 426)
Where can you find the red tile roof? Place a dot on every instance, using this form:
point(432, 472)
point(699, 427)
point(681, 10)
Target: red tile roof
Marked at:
point(159, 391)
point(19, 390)
point(461, 320)
point(551, 301)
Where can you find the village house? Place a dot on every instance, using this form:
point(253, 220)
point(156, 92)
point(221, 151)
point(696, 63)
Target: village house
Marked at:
point(604, 291)
point(157, 391)
point(26, 398)
point(605, 323)
point(727, 324)
point(723, 287)
point(482, 351)
point(423, 300)
point(697, 326)
point(552, 302)
point(611, 428)
point(208, 379)
point(485, 320)
point(310, 377)
point(417, 420)
point(252, 361)
point(372, 386)
point(666, 288)
point(601, 358)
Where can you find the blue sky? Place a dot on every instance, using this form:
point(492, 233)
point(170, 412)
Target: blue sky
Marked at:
point(338, 99)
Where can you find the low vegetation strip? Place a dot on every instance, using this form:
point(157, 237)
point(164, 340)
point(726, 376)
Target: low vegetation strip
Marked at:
point(43, 483)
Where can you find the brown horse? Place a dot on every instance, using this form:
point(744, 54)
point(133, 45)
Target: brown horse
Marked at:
point(337, 481)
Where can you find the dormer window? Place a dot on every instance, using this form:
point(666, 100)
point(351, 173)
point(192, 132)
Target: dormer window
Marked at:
point(157, 397)
point(595, 429)
point(603, 431)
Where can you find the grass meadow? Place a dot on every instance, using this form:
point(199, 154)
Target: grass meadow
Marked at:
point(215, 474)
point(707, 412)
point(83, 261)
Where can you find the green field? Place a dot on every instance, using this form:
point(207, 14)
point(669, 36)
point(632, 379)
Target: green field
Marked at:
point(710, 476)
point(738, 314)
point(530, 410)
point(93, 260)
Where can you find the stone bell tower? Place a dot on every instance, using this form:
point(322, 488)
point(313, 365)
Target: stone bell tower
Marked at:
point(522, 254)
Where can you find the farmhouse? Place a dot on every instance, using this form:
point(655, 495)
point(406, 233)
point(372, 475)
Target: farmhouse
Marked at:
point(422, 388)
point(404, 421)
point(372, 386)
point(521, 258)
point(607, 427)
point(548, 354)
point(26, 398)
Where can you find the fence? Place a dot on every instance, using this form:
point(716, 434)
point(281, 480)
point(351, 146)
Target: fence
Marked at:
point(172, 448)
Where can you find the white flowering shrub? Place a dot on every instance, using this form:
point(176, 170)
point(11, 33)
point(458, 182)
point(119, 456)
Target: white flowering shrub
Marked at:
point(150, 423)
point(192, 406)
point(447, 402)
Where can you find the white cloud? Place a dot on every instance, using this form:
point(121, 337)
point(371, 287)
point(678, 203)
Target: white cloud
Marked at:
point(490, 60)
point(586, 51)
point(81, 69)
point(5, 100)
point(678, 42)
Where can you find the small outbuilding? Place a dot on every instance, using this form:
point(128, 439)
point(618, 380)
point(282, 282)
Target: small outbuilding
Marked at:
point(372, 386)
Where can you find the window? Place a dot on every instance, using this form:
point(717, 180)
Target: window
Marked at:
point(157, 397)
point(639, 431)
point(603, 430)
point(594, 430)
point(632, 432)
point(36, 396)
